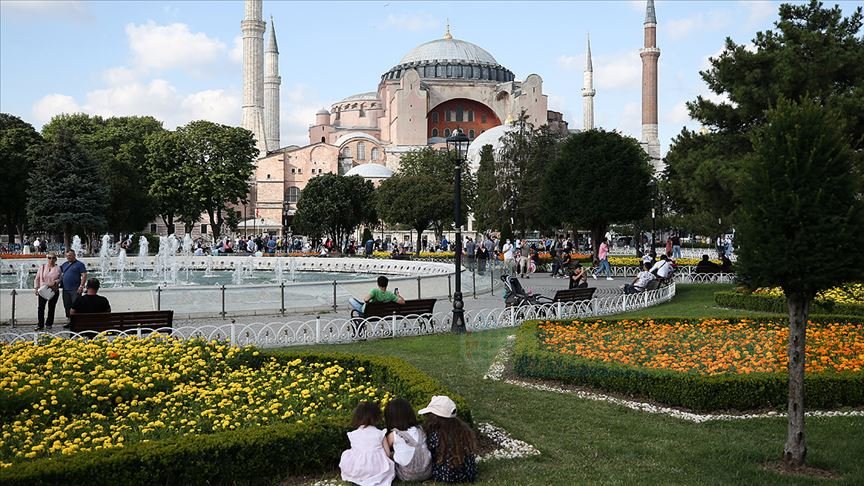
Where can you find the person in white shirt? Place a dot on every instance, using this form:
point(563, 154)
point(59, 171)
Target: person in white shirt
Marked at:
point(641, 281)
point(663, 268)
point(507, 249)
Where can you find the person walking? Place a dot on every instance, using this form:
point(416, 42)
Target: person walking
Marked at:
point(47, 289)
point(73, 277)
point(603, 257)
point(507, 250)
point(676, 246)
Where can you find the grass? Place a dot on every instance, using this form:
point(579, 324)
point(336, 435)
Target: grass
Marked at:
point(590, 442)
point(694, 301)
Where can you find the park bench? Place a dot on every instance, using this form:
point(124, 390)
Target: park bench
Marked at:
point(574, 295)
point(417, 308)
point(122, 321)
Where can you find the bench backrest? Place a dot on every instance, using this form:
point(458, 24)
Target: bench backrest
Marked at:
point(573, 295)
point(416, 306)
point(122, 320)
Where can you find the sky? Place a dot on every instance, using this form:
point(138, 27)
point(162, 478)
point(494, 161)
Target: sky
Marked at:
point(181, 61)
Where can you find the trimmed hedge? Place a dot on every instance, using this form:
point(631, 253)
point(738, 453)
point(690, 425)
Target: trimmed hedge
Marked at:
point(258, 455)
point(695, 392)
point(766, 303)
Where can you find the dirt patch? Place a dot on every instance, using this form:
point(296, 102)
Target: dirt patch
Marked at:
point(779, 467)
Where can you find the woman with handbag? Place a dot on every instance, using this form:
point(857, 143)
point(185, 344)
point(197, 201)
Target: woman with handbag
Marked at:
point(47, 285)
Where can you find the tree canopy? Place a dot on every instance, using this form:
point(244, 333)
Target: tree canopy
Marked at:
point(413, 200)
point(487, 208)
point(335, 205)
point(598, 178)
point(20, 147)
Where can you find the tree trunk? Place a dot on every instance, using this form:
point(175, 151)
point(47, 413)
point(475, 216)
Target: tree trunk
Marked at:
point(796, 449)
point(419, 240)
point(597, 234)
point(67, 237)
point(216, 229)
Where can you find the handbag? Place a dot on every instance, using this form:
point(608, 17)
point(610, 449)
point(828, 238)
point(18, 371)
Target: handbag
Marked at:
point(46, 292)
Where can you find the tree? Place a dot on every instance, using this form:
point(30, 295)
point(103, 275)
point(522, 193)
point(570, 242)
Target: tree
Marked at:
point(487, 208)
point(799, 194)
point(440, 165)
point(335, 205)
point(219, 161)
point(812, 51)
point(598, 178)
point(20, 147)
point(66, 190)
point(169, 179)
point(413, 200)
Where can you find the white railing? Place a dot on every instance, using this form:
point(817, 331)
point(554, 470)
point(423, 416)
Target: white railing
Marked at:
point(344, 330)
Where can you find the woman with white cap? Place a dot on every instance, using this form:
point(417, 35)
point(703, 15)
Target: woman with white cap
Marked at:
point(451, 441)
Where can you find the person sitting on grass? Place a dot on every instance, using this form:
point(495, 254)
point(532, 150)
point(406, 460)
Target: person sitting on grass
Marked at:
point(408, 442)
point(379, 294)
point(368, 461)
point(641, 281)
point(451, 441)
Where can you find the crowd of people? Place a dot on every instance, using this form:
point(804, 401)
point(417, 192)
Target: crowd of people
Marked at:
point(443, 448)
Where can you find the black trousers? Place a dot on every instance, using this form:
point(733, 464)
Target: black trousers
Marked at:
point(52, 305)
point(69, 299)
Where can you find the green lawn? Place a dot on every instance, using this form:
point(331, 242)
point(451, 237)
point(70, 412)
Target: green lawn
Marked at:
point(590, 442)
point(694, 301)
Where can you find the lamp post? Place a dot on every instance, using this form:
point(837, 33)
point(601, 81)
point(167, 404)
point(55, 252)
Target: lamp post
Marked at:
point(653, 185)
point(458, 141)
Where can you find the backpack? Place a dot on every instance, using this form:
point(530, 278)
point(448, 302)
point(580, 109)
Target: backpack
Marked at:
point(420, 467)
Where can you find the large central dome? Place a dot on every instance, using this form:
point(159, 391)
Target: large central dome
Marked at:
point(448, 49)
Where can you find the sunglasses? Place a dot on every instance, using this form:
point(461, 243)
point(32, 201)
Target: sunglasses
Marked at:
point(52, 258)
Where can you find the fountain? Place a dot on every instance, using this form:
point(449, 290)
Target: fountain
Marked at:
point(165, 267)
point(121, 268)
point(105, 256)
point(23, 276)
point(279, 270)
point(208, 266)
point(292, 267)
point(143, 252)
point(237, 278)
point(76, 246)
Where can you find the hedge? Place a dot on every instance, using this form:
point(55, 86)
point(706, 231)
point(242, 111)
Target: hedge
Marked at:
point(695, 392)
point(766, 303)
point(257, 455)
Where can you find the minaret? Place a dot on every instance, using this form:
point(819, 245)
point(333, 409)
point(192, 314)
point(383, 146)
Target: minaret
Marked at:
point(272, 83)
point(588, 92)
point(650, 53)
point(253, 72)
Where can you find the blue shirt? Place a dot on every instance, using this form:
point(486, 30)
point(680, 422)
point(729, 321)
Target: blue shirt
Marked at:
point(72, 274)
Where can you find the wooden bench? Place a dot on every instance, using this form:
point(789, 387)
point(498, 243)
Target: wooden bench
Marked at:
point(417, 308)
point(574, 295)
point(122, 321)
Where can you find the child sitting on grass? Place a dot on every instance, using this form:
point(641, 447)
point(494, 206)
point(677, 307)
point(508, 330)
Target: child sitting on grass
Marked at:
point(367, 462)
point(451, 442)
point(408, 441)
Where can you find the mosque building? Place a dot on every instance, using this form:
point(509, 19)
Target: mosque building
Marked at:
point(436, 87)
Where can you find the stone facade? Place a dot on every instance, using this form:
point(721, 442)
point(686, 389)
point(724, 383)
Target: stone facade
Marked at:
point(650, 55)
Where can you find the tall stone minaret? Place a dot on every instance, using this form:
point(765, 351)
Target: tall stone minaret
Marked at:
point(650, 54)
point(588, 92)
point(253, 72)
point(272, 83)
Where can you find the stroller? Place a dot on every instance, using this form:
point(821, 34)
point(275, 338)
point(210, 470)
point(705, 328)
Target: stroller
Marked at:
point(516, 296)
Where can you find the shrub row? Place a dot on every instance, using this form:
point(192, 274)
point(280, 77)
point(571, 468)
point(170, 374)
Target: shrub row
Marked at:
point(695, 392)
point(259, 455)
point(767, 303)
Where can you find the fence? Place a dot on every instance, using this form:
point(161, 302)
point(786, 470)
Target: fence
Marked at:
point(344, 330)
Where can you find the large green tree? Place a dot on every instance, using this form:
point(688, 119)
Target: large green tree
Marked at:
point(413, 200)
point(67, 192)
point(799, 195)
point(598, 178)
point(441, 165)
point(334, 206)
point(487, 207)
point(219, 161)
point(20, 147)
point(170, 181)
point(812, 51)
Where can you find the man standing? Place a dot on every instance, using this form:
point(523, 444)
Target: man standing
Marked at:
point(91, 303)
point(74, 275)
point(369, 247)
point(676, 246)
point(469, 253)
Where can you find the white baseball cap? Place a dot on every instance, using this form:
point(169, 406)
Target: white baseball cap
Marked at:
point(441, 406)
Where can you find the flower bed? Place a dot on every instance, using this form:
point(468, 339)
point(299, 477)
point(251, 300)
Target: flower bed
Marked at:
point(185, 409)
point(846, 299)
point(703, 365)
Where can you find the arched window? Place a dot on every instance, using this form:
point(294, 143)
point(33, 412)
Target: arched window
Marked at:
point(362, 111)
point(374, 154)
point(361, 151)
point(434, 132)
point(471, 133)
point(435, 117)
point(322, 139)
point(346, 152)
point(446, 132)
point(292, 195)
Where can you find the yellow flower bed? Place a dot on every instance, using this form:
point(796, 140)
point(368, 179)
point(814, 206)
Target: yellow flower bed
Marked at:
point(632, 261)
point(852, 293)
point(64, 396)
point(707, 347)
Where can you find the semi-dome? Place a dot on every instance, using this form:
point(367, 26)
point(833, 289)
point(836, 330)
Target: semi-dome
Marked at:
point(370, 171)
point(448, 49)
point(450, 58)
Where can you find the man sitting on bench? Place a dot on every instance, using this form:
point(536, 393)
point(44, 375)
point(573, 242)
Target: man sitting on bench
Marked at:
point(91, 303)
point(379, 294)
point(641, 281)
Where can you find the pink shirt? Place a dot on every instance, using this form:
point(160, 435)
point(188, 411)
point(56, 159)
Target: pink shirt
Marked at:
point(46, 276)
point(603, 252)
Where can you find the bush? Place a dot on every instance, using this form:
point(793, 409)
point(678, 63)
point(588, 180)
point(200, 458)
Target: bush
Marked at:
point(693, 391)
point(767, 303)
point(259, 455)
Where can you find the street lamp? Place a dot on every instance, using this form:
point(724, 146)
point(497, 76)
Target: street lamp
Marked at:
point(653, 185)
point(459, 142)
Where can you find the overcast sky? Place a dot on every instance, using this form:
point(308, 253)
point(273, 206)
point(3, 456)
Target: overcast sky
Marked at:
point(181, 61)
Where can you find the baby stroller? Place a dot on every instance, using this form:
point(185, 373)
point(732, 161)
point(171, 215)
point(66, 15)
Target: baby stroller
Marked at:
point(516, 296)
